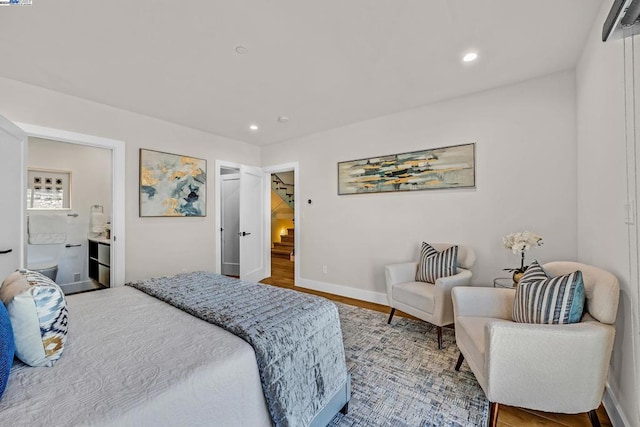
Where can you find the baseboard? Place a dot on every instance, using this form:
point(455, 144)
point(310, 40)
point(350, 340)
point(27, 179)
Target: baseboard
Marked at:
point(345, 291)
point(616, 415)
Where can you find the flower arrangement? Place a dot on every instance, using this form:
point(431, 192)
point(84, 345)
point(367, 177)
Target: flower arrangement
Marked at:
point(519, 243)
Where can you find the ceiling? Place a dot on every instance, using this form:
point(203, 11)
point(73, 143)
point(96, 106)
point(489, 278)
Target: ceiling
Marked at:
point(323, 64)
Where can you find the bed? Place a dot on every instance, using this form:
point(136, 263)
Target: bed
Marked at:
point(132, 359)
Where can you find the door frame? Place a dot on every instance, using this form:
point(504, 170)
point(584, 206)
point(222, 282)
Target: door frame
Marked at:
point(297, 228)
point(266, 252)
point(16, 131)
point(117, 187)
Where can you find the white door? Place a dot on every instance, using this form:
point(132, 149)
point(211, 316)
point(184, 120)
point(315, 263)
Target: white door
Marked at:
point(252, 224)
point(230, 224)
point(13, 143)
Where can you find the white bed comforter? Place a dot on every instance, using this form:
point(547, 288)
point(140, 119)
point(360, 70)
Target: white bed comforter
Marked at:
point(132, 360)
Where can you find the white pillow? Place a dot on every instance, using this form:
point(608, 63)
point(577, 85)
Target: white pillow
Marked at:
point(38, 312)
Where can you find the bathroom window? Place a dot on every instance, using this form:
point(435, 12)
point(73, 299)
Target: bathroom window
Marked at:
point(48, 189)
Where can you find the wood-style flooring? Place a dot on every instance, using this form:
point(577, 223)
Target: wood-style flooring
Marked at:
point(282, 275)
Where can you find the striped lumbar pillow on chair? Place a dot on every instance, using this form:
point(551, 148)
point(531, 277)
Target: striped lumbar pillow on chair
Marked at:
point(551, 300)
point(433, 264)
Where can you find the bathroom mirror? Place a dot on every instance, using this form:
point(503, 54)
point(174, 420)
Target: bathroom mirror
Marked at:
point(48, 189)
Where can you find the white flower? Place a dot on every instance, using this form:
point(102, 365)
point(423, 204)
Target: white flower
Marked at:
point(522, 241)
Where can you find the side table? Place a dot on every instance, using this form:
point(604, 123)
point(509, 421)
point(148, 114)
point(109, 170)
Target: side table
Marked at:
point(504, 282)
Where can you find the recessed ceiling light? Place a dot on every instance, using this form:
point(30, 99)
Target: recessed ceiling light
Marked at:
point(283, 119)
point(242, 50)
point(470, 57)
point(253, 127)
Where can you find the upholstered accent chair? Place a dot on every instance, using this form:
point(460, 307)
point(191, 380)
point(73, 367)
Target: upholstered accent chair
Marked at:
point(430, 302)
point(553, 368)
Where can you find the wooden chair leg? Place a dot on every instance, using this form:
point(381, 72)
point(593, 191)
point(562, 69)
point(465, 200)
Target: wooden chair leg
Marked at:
point(593, 417)
point(393, 310)
point(439, 331)
point(459, 362)
point(493, 414)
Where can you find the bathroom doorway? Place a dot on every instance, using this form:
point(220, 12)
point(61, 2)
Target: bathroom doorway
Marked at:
point(113, 255)
point(69, 188)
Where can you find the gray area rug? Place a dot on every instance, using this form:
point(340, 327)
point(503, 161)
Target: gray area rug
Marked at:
point(399, 377)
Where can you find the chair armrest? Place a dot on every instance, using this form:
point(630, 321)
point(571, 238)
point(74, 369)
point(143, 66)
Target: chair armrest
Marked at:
point(564, 367)
point(462, 278)
point(443, 307)
point(483, 302)
point(399, 273)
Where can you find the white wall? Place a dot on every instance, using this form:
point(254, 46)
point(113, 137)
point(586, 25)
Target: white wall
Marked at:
point(525, 177)
point(603, 236)
point(90, 185)
point(154, 246)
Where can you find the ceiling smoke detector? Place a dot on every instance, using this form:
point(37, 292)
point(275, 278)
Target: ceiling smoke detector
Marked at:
point(283, 119)
point(241, 50)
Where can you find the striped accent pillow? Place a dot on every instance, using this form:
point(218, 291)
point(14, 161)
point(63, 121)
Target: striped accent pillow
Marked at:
point(434, 264)
point(534, 273)
point(549, 300)
point(39, 317)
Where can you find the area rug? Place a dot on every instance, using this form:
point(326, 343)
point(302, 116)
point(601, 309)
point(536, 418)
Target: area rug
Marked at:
point(399, 377)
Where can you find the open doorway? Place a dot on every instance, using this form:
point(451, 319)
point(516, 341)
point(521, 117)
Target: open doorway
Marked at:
point(114, 253)
point(230, 221)
point(282, 228)
point(242, 237)
point(69, 207)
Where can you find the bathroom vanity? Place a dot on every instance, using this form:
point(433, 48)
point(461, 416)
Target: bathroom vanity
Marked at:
point(100, 261)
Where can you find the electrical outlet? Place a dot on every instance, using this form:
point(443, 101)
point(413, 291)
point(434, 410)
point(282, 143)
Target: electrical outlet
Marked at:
point(324, 269)
point(76, 277)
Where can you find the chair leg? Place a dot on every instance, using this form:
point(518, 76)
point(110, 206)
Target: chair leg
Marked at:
point(439, 331)
point(459, 362)
point(593, 417)
point(493, 414)
point(345, 409)
point(393, 310)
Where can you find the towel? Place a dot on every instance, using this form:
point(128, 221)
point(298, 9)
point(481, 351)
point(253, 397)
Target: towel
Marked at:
point(47, 229)
point(97, 222)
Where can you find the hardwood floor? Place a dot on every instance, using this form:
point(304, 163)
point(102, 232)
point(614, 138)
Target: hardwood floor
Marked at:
point(282, 275)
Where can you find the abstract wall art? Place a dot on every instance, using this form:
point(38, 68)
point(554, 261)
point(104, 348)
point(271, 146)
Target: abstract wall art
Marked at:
point(436, 168)
point(172, 185)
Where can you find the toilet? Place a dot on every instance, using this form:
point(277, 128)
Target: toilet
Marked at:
point(44, 259)
point(46, 244)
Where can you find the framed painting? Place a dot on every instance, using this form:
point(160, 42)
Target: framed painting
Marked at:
point(172, 185)
point(435, 168)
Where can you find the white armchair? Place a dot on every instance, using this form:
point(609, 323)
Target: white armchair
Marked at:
point(430, 302)
point(554, 368)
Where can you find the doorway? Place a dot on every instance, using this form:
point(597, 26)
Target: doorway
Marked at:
point(285, 223)
point(230, 221)
point(116, 249)
point(250, 191)
point(69, 196)
point(283, 228)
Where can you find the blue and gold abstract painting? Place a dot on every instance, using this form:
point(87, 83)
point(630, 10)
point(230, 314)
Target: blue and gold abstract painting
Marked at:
point(444, 167)
point(172, 185)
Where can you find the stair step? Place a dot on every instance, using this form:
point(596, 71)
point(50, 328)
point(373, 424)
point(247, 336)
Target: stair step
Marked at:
point(287, 238)
point(281, 253)
point(283, 245)
point(290, 231)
